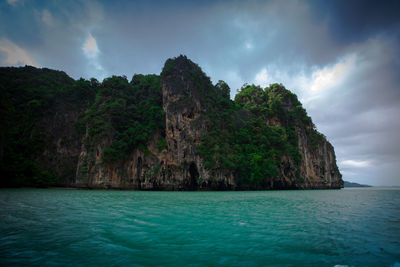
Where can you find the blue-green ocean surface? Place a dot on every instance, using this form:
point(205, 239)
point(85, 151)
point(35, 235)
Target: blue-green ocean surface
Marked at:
point(354, 227)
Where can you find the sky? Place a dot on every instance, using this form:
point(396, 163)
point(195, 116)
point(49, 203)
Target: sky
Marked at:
point(341, 57)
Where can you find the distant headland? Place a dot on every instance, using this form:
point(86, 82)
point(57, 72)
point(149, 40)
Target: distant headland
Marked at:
point(351, 184)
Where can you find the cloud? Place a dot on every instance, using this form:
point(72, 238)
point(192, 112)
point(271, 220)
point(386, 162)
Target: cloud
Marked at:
point(249, 45)
point(12, 2)
point(355, 163)
point(90, 47)
point(92, 52)
point(262, 78)
point(355, 102)
point(47, 18)
point(320, 82)
point(14, 55)
point(330, 76)
point(355, 21)
point(359, 112)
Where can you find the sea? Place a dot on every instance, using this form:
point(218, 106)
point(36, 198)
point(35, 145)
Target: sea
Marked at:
point(67, 227)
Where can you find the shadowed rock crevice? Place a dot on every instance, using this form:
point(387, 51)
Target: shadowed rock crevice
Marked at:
point(194, 176)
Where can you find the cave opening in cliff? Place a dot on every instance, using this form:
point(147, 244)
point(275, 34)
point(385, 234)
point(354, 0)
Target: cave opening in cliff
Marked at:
point(194, 176)
point(139, 171)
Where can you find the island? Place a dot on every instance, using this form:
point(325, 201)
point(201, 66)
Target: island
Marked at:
point(173, 131)
point(352, 184)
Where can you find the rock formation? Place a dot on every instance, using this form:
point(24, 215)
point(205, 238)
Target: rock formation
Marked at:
point(170, 158)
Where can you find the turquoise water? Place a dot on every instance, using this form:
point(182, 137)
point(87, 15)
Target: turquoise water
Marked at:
point(354, 227)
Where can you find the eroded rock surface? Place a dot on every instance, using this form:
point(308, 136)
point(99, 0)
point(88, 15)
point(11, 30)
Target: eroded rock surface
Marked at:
point(178, 165)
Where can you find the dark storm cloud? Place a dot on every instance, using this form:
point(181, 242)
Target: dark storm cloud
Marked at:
point(354, 20)
point(360, 114)
point(342, 58)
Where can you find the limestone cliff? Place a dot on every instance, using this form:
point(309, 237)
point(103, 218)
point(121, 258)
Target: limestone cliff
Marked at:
point(317, 168)
point(178, 131)
point(178, 166)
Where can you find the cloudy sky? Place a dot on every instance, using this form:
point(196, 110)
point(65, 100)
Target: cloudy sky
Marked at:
point(342, 57)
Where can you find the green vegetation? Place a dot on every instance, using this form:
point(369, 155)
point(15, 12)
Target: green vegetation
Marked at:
point(43, 112)
point(162, 144)
point(244, 139)
point(127, 113)
point(37, 104)
point(26, 96)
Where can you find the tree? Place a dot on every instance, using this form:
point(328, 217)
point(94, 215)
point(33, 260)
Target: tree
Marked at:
point(224, 89)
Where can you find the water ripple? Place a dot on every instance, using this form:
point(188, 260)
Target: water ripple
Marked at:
point(78, 227)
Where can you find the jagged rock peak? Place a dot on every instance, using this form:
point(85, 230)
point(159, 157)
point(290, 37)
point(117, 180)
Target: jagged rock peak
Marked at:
point(181, 76)
point(180, 64)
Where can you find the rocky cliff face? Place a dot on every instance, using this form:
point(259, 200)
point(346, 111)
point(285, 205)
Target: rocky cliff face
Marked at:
point(177, 164)
point(60, 155)
point(185, 123)
point(176, 167)
point(317, 168)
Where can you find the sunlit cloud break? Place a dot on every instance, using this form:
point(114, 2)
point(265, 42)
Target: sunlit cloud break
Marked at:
point(311, 86)
point(92, 52)
point(355, 163)
point(262, 78)
point(90, 47)
point(332, 75)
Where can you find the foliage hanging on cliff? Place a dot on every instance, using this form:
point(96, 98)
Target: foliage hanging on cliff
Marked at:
point(27, 96)
point(126, 113)
point(241, 140)
point(44, 112)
